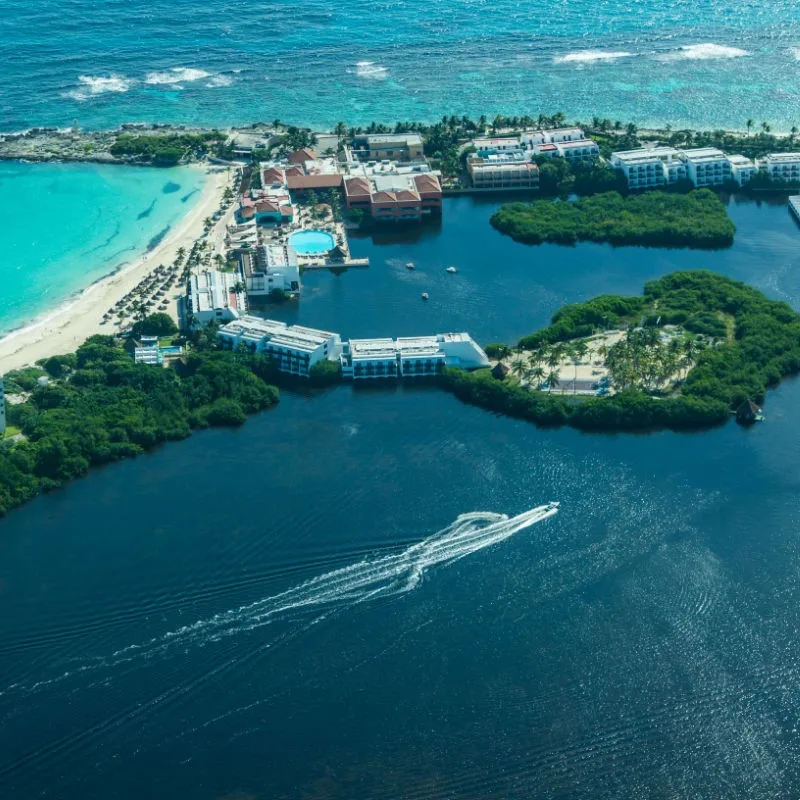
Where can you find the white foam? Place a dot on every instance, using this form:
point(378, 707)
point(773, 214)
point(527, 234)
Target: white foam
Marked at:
point(218, 81)
point(175, 75)
point(795, 52)
point(703, 52)
point(590, 56)
point(94, 85)
point(369, 70)
point(336, 591)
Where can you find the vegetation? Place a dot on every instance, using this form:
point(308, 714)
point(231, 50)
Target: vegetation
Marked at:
point(158, 324)
point(325, 373)
point(166, 150)
point(104, 407)
point(760, 346)
point(698, 219)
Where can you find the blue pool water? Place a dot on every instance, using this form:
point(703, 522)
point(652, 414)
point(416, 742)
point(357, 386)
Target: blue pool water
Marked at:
point(312, 242)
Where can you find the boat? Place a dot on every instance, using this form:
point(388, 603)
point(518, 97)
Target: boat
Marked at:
point(410, 265)
point(451, 270)
point(424, 295)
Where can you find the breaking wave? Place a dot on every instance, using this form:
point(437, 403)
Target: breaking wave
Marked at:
point(703, 52)
point(94, 85)
point(175, 75)
point(590, 56)
point(369, 70)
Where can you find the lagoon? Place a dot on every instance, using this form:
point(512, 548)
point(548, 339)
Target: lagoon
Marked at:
point(641, 643)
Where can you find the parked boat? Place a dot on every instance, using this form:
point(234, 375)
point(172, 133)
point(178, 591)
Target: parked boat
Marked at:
point(410, 265)
point(424, 295)
point(451, 270)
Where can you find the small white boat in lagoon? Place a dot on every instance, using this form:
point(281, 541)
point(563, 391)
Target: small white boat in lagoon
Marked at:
point(424, 295)
point(451, 270)
point(410, 265)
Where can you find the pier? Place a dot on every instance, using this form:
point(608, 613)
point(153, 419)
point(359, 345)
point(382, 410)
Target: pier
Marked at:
point(794, 206)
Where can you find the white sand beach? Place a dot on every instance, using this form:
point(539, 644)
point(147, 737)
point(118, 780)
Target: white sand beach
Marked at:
point(64, 329)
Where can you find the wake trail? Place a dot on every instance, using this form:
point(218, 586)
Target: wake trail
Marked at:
point(361, 582)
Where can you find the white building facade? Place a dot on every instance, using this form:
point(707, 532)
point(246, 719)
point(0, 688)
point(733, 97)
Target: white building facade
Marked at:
point(215, 296)
point(742, 169)
point(706, 166)
point(409, 357)
point(650, 167)
point(270, 268)
point(293, 348)
point(577, 149)
point(782, 167)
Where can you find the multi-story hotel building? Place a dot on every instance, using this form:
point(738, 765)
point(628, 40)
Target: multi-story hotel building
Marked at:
point(293, 348)
point(503, 172)
point(418, 356)
point(782, 167)
point(577, 149)
point(490, 146)
point(391, 146)
point(706, 166)
point(650, 167)
point(269, 268)
point(392, 192)
point(215, 296)
point(742, 169)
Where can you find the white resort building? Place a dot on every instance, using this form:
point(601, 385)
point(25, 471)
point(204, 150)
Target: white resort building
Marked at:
point(782, 167)
point(147, 351)
point(270, 268)
point(649, 167)
point(293, 348)
point(213, 295)
point(296, 349)
point(706, 166)
point(577, 149)
point(417, 356)
point(742, 169)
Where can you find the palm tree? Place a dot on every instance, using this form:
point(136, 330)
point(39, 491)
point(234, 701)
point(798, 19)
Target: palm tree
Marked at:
point(765, 127)
point(553, 379)
point(749, 125)
point(537, 374)
point(518, 367)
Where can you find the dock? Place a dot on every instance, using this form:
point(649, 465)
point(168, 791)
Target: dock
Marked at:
point(794, 206)
point(348, 263)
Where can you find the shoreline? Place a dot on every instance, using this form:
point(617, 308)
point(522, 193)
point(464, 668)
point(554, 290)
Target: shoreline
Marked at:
point(63, 328)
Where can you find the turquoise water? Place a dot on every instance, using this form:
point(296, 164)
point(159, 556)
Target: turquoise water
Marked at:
point(62, 227)
point(174, 628)
point(312, 242)
point(710, 62)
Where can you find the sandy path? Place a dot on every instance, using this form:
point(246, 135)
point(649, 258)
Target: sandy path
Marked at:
point(64, 329)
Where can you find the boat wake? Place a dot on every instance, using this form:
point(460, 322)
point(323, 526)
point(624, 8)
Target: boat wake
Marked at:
point(333, 592)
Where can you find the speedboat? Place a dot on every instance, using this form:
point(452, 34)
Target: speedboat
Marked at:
point(451, 270)
point(410, 265)
point(424, 295)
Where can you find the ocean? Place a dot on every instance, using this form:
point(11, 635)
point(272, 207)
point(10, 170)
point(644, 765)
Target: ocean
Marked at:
point(326, 602)
point(65, 226)
point(710, 63)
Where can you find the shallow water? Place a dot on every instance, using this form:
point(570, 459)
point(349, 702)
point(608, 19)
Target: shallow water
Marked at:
point(65, 226)
point(300, 608)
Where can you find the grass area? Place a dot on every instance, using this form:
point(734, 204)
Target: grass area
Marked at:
point(11, 430)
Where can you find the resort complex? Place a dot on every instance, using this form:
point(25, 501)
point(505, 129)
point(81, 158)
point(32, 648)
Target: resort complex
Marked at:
point(295, 350)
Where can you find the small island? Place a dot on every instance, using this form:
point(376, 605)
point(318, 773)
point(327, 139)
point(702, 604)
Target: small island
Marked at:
point(696, 348)
point(654, 219)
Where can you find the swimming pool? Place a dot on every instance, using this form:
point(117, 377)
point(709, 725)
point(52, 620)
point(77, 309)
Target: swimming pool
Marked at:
point(312, 242)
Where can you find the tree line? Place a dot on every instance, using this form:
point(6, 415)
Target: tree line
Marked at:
point(654, 219)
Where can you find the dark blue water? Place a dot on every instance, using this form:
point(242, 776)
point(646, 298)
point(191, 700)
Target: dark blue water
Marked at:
point(168, 629)
point(710, 63)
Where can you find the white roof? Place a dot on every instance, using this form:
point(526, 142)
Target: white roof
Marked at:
point(645, 154)
point(577, 143)
point(784, 158)
point(296, 336)
point(210, 290)
point(741, 161)
point(698, 154)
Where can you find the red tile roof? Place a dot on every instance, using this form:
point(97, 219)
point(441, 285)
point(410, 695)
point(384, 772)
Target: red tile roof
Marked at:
point(304, 154)
point(287, 211)
point(427, 183)
point(357, 186)
point(266, 207)
point(272, 175)
point(247, 212)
